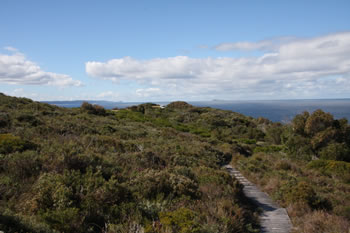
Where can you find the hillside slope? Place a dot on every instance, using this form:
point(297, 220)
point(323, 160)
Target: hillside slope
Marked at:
point(153, 169)
point(139, 169)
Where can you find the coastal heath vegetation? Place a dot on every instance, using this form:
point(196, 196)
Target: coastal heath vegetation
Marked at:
point(147, 168)
point(140, 169)
point(304, 166)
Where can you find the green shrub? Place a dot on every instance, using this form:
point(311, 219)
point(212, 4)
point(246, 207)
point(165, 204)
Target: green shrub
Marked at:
point(330, 167)
point(283, 165)
point(63, 220)
point(10, 144)
point(5, 120)
point(274, 133)
point(14, 223)
point(179, 105)
point(317, 122)
point(7, 187)
point(94, 109)
point(335, 151)
point(302, 192)
point(81, 200)
point(299, 147)
point(152, 183)
point(247, 141)
point(182, 220)
point(299, 121)
point(29, 118)
point(22, 165)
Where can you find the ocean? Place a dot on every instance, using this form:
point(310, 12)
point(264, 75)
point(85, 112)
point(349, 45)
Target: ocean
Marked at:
point(274, 110)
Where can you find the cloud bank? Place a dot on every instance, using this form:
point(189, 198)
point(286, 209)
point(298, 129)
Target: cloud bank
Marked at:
point(270, 45)
point(289, 68)
point(15, 68)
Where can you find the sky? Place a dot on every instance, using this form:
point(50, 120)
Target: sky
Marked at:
point(158, 50)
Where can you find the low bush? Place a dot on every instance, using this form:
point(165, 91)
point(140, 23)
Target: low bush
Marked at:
point(4, 120)
point(29, 118)
point(22, 165)
point(151, 183)
point(10, 144)
point(182, 220)
point(303, 192)
point(330, 167)
point(335, 151)
point(179, 105)
point(93, 109)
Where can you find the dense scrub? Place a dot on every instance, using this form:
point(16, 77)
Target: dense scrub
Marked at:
point(142, 169)
point(305, 167)
point(153, 169)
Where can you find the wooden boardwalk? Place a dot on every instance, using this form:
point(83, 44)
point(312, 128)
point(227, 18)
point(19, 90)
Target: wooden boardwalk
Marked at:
point(273, 218)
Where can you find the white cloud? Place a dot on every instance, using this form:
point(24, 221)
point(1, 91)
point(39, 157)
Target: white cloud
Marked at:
point(147, 92)
point(293, 69)
point(263, 45)
point(108, 95)
point(11, 49)
point(15, 68)
point(20, 92)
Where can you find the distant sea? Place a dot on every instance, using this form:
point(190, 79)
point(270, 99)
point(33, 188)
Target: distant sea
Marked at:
point(274, 110)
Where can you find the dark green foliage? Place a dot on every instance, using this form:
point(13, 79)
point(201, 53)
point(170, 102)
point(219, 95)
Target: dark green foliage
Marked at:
point(151, 183)
point(181, 220)
point(28, 118)
point(318, 135)
point(299, 147)
point(179, 105)
point(299, 122)
point(21, 165)
point(317, 122)
point(274, 133)
point(10, 144)
point(331, 167)
point(336, 151)
point(73, 202)
point(302, 192)
point(4, 120)
point(10, 223)
point(93, 109)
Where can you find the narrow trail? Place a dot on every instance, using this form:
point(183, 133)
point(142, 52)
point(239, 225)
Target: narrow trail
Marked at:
point(273, 218)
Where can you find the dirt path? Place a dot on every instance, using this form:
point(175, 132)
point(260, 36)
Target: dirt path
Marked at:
point(273, 218)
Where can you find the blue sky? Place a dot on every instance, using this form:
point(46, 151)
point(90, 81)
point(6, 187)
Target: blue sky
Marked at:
point(171, 50)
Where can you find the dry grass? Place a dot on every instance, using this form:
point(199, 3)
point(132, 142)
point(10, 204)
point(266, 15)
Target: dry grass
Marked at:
point(320, 221)
point(271, 185)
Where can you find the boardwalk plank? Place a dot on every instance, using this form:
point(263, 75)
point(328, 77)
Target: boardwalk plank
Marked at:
point(273, 218)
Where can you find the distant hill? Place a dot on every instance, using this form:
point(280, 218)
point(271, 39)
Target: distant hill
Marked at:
point(78, 103)
point(274, 110)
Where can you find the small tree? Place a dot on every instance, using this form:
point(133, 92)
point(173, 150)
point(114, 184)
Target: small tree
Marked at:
point(299, 123)
point(317, 122)
point(93, 109)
